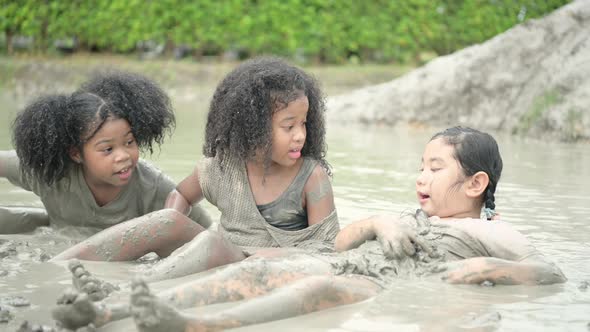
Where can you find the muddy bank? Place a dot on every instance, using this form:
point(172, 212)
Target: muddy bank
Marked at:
point(25, 77)
point(532, 80)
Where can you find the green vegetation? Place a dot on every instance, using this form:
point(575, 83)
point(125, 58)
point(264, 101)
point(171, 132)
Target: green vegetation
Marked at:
point(534, 115)
point(321, 31)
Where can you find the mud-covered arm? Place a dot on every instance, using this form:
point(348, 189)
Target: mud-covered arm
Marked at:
point(512, 259)
point(531, 271)
point(396, 238)
point(14, 220)
point(18, 219)
point(10, 168)
point(355, 234)
point(319, 198)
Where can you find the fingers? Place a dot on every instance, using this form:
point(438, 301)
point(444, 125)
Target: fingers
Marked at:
point(440, 268)
point(408, 247)
point(424, 246)
point(387, 248)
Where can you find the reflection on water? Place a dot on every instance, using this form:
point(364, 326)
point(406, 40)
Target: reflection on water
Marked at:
point(543, 192)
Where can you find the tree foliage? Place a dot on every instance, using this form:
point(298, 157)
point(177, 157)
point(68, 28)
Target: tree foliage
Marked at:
point(320, 30)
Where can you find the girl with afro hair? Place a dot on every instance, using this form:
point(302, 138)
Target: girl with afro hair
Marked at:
point(80, 154)
point(264, 169)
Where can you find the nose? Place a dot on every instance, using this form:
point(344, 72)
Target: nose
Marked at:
point(421, 179)
point(299, 135)
point(122, 155)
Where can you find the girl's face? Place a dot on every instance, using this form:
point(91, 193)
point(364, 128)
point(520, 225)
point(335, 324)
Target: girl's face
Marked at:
point(289, 132)
point(441, 185)
point(110, 156)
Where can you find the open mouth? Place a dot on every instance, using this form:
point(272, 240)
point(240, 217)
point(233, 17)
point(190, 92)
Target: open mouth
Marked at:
point(125, 173)
point(295, 153)
point(423, 197)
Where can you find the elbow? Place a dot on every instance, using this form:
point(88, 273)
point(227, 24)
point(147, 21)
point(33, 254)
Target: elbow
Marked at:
point(547, 274)
point(552, 275)
point(178, 202)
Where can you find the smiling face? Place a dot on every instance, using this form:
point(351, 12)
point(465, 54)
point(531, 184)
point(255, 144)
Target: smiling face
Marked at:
point(289, 132)
point(441, 187)
point(109, 157)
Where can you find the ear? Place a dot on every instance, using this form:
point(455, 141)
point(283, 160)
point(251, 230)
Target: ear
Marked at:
point(75, 155)
point(477, 184)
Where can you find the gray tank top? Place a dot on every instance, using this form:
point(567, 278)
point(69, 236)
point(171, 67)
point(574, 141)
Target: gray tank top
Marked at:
point(286, 212)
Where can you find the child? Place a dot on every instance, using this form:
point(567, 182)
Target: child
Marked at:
point(80, 154)
point(265, 170)
point(460, 170)
point(265, 167)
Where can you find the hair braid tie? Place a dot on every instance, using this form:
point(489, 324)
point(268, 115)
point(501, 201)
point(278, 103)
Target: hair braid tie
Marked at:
point(490, 205)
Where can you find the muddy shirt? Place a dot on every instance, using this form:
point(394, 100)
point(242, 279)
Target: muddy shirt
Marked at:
point(69, 201)
point(287, 212)
point(227, 187)
point(452, 240)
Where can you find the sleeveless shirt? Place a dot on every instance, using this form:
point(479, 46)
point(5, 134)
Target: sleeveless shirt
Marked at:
point(287, 212)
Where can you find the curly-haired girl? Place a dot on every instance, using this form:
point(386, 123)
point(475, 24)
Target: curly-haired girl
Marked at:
point(80, 154)
point(264, 169)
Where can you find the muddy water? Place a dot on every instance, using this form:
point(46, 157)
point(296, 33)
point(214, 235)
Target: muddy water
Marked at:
point(544, 193)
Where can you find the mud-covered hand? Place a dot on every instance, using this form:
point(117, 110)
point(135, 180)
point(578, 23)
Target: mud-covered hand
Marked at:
point(467, 271)
point(397, 239)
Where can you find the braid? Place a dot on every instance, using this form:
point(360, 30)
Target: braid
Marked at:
point(489, 198)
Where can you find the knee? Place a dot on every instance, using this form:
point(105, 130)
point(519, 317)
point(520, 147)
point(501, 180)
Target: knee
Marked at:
point(210, 237)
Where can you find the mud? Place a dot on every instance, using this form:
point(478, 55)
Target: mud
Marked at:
point(531, 80)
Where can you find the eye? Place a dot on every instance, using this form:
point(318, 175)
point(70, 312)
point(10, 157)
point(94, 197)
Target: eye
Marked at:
point(107, 150)
point(130, 142)
point(435, 169)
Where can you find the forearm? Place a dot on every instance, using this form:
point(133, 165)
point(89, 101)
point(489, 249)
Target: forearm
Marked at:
point(504, 272)
point(355, 234)
point(15, 220)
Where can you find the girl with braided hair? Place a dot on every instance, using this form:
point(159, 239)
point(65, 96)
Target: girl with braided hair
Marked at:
point(80, 154)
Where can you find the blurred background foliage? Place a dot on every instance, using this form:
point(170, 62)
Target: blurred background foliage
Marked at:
point(315, 31)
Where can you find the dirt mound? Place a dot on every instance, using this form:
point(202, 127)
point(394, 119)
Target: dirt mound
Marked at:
point(534, 79)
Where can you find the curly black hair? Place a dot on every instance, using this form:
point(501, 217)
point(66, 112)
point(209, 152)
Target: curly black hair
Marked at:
point(45, 132)
point(138, 100)
point(239, 120)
